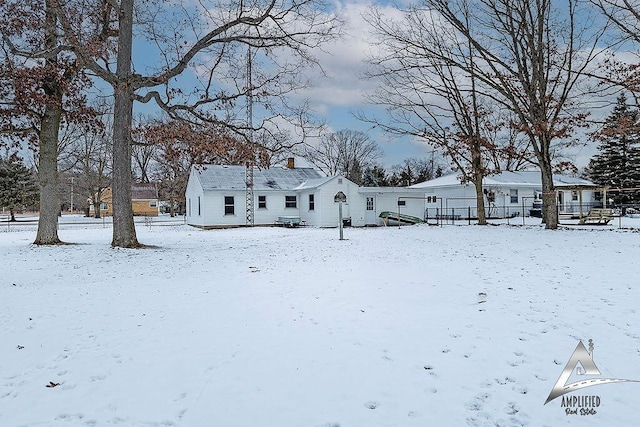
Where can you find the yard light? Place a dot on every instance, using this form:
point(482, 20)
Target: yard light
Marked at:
point(340, 198)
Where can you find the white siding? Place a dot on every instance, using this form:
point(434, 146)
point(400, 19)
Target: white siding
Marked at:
point(215, 208)
point(194, 191)
point(460, 199)
point(275, 206)
point(326, 211)
point(386, 200)
point(573, 206)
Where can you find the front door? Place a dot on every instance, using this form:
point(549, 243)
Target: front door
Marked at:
point(370, 217)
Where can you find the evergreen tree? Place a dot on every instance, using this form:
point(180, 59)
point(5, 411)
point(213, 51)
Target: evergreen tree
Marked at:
point(369, 179)
point(617, 164)
point(354, 172)
point(380, 175)
point(17, 186)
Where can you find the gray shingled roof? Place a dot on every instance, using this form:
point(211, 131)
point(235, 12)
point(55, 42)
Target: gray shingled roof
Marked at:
point(217, 177)
point(141, 191)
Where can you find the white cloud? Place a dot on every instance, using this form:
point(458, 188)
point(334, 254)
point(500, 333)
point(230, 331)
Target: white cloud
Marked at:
point(344, 60)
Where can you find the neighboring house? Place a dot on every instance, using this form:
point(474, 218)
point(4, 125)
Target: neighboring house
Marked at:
point(144, 200)
point(508, 194)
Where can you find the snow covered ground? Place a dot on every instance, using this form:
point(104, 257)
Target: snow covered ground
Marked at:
point(418, 326)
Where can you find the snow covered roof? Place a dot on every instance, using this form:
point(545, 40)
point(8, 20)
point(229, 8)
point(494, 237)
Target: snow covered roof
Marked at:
point(223, 177)
point(314, 182)
point(390, 190)
point(508, 179)
point(567, 181)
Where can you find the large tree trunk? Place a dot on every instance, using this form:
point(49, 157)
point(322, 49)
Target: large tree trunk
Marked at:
point(172, 202)
point(96, 207)
point(124, 231)
point(482, 217)
point(477, 168)
point(48, 175)
point(549, 201)
point(48, 149)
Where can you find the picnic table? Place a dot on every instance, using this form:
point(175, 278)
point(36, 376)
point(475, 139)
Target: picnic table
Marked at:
point(600, 216)
point(289, 221)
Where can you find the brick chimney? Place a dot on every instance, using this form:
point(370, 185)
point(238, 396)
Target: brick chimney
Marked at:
point(291, 163)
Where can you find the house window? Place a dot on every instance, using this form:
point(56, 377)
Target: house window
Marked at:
point(229, 205)
point(290, 202)
point(574, 195)
point(402, 203)
point(369, 203)
point(153, 204)
point(262, 202)
point(513, 193)
point(103, 206)
point(312, 202)
point(199, 206)
point(339, 180)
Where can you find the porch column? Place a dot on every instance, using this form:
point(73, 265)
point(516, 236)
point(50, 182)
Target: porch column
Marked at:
point(580, 200)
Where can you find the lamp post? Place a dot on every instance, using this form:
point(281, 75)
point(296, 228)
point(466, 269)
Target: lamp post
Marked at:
point(340, 198)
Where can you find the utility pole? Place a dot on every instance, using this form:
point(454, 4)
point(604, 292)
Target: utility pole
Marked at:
point(250, 220)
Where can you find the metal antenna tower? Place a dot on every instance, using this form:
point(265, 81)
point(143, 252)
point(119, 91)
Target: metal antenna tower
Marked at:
point(251, 161)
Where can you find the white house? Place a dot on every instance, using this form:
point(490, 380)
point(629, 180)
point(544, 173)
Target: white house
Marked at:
point(506, 194)
point(216, 197)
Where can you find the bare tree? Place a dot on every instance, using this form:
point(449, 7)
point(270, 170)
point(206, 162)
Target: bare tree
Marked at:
point(346, 152)
point(512, 150)
point(625, 18)
point(531, 58)
point(178, 146)
point(40, 89)
point(211, 42)
point(143, 153)
point(93, 167)
point(429, 97)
